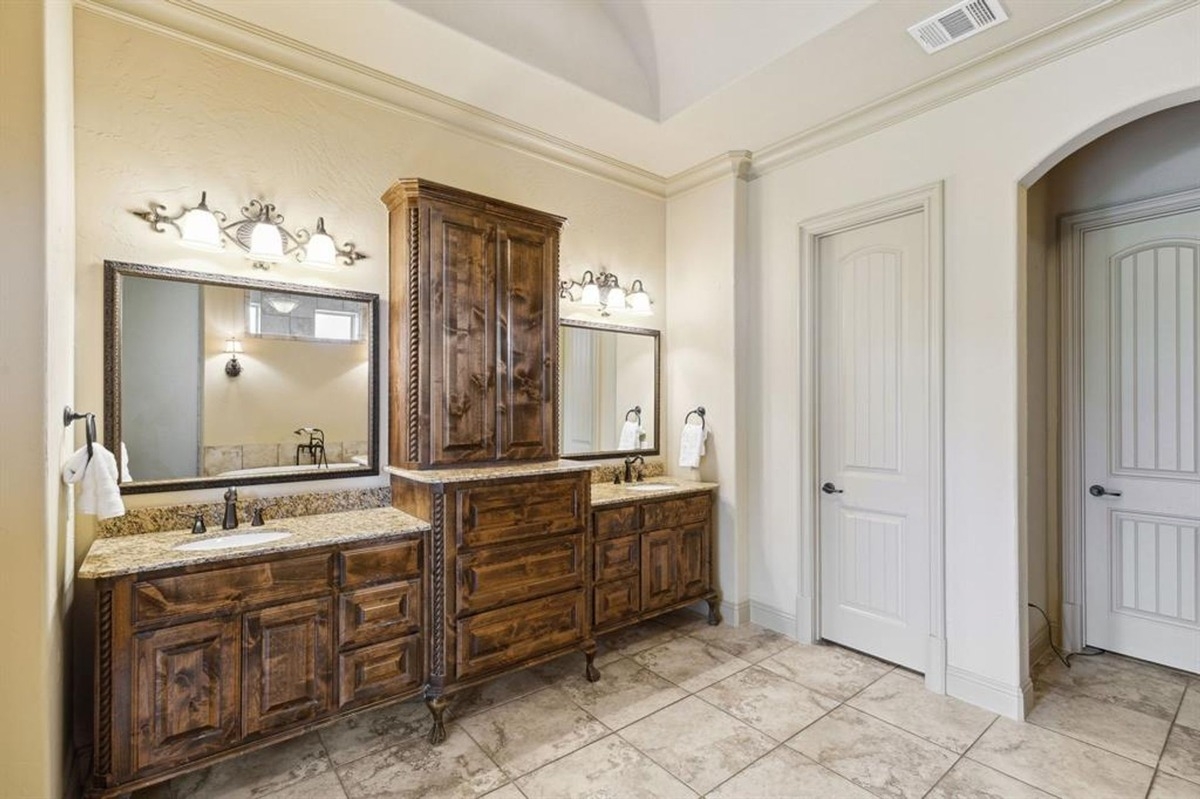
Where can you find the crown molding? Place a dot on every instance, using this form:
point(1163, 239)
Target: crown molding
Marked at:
point(735, 163)
point(1071, 35)
point(213, 30)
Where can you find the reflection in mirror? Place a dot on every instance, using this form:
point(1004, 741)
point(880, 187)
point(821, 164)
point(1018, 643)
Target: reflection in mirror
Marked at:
point(217, 381)
point(609, 390)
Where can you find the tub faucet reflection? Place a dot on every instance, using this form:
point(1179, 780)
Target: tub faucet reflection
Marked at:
point(230, 521)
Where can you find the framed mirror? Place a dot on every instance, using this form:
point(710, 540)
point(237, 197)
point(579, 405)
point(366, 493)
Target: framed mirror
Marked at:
point(215, 380)
point(609, 390)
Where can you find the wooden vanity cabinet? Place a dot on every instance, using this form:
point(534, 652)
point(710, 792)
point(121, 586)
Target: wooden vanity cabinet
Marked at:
point(474, 323)
point(199, 662)
point(651, 557)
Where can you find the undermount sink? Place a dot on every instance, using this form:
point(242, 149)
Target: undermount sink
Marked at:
point(234, 540)
point(650, 486)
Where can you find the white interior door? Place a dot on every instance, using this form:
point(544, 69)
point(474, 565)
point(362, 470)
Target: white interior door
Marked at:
point(874, 438)
point(1141, 423)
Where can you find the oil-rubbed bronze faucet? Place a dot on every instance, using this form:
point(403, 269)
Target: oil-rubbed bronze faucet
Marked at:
point(629, 467)
point(230, 520)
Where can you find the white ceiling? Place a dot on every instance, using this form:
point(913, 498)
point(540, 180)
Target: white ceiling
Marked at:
point(654, 84)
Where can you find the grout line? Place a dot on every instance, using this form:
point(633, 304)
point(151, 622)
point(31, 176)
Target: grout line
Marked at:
point(1170, 730)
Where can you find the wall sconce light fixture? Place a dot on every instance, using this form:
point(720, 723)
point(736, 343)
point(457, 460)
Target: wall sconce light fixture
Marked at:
point(605, 293)
point(233, 367)
point(259, 233)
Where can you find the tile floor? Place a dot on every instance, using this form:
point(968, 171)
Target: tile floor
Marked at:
point(687, 710)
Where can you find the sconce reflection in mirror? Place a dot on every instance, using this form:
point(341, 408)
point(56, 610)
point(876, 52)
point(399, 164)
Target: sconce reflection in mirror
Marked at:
point(604, 292)
point(259, 233)
point(233, 367)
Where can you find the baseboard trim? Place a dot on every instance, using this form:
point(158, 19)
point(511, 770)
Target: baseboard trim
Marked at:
point(773, 618)
point(736, 613)
point(1039, 645)
point(998, 697)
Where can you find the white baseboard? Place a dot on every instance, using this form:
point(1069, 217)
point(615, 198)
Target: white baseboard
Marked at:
point(736, 613)
point(1039, 646)
point(773, 619)
point(998, 697)
point(935, 665)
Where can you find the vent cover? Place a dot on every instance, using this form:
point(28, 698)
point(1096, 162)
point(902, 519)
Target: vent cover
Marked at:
point(959, 21)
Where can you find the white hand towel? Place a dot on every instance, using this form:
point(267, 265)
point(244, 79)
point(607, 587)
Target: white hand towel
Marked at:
point(126, 477)
point(691, 445)
point(97, 480)
point(631, 435)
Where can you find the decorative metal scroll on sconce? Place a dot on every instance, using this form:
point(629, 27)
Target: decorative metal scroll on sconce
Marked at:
point(605, 293)
point(259, 233)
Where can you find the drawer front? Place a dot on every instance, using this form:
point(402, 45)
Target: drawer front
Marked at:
point(615, 521)
point(495, 576)
point(512, 511)
point(379, 564)
point(379, 671)
point(378, 613)
point(222, 591)
point(617, 558)
point(675, 512)
point(617, 601)
point(509, 636)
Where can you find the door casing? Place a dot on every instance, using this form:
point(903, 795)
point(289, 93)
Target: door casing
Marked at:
point(926, 200)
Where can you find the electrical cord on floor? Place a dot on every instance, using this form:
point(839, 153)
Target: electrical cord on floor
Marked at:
point(1087, 651)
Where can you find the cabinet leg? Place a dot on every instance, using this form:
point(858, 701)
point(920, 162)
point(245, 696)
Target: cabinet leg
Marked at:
point(714, 609)
point(591, 672)
point(437, 708)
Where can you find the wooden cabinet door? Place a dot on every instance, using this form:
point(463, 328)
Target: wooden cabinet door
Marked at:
point(692, 549)
point(462, 336)
point(185, 700)
point(660, 569)
point(286, 666)
point(527, 316)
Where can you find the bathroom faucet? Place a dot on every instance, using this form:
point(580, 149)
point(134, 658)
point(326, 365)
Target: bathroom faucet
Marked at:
point(629, 467)
point(230, 521)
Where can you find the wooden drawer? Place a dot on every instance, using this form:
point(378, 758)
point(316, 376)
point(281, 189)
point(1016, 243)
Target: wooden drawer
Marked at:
point(223, 591)
point(617, 601)
point(498, 513)
point(676, 512)
point(495, 576)
point(617, 557)
point(379, 671)
point(375, 614)
point(615, 521)
point(384, 563)
point(498, 638)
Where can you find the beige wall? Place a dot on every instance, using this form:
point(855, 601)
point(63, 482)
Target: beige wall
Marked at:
point(36, 377)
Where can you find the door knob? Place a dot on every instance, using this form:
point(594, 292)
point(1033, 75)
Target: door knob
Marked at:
point(1098, 490)
point(830, 488)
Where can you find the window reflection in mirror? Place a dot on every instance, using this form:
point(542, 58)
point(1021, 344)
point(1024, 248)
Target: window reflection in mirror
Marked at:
point(609, 390)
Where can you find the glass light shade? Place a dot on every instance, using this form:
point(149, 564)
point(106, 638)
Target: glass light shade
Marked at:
point(266, 243)
point(639, 303)
point(199, 230)
point(616, 299)
point(233, 346)
point(282, 304)
point(589, 296)
point(320, 251)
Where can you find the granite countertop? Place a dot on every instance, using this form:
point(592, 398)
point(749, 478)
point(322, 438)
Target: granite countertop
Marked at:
point(610, 494)
point(111, 557)
point(495, 472)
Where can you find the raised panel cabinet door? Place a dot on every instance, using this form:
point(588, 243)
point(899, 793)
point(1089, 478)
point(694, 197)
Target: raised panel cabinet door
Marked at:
point(527, 342)
point(693, 561)
point(286, 665)
point(185, 692)
point(462, 335)
point(660, 569)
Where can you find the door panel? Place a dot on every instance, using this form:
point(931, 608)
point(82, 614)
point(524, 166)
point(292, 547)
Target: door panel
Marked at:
point(287, 665)
point(873, 431)
point(1141, 435)
point(693, 561)
point(660, 569)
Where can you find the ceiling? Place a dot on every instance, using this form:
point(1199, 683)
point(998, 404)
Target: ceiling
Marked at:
point(659, 85)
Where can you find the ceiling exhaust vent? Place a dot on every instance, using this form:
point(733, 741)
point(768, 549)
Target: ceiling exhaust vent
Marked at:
point(959, 21)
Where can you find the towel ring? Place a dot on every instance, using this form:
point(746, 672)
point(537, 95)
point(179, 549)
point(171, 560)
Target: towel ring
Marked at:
point(636, 410)
point(70, 416)
point(697, 411)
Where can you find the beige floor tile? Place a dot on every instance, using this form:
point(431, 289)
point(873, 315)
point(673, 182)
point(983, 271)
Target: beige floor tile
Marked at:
point(610, 767)
point(971, 780)
point(689, 663)
point(455, 769)
point(698, 743)
point(638, 638)
point(1058, 764)
point(874, 755)
point(769, 703)
point(258, 773)
point(510, 791)
point(325, 786)
point(749, 641)
point(529, 732)
point(898, 699)
point(1189, 710)
point(833, 671)
point(1108, 725)
point(372, 730)
point(1181, 758)
point(479, 698)
point(1167, 787)
point(625, 693)
point(1138, 686)
point(787, 774)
